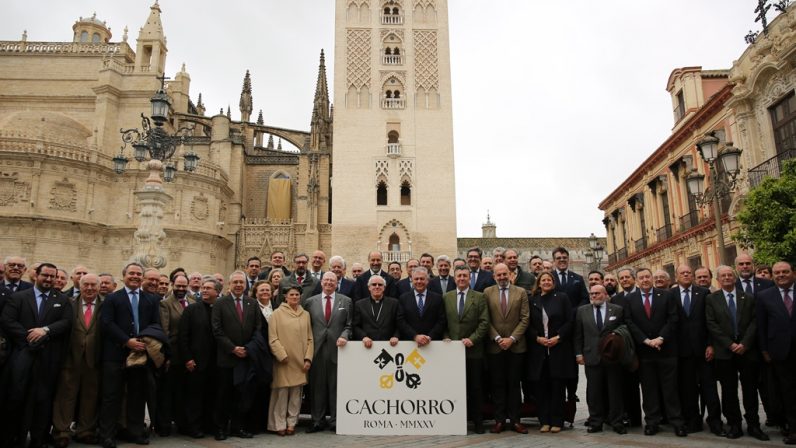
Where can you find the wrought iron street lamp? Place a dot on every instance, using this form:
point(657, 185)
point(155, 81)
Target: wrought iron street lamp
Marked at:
point(595, 254)
point(721, 184)
point(155, 142)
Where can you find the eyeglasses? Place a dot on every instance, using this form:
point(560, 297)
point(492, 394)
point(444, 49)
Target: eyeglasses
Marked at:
point(380, 285)
point(15, 265)
point(562, 258)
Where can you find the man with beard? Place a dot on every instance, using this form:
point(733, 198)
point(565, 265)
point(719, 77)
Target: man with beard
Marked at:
point(611, 284)
point(300, 277)
point(536, 265)
point(171, 383)
point(517, 276)
point(197, 347)
point(362, 290)
point(37, 322)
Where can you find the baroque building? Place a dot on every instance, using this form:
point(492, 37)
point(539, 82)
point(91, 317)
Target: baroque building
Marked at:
point(62, 105)
point(651, 218)
point(393, 132)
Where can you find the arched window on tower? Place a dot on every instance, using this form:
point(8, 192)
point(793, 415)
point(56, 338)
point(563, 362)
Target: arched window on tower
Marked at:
point(396, 51)
point(396, 11)
point(388, 94)
point(381, 193)
point(392, 137)
point(395, 243)
point(388, 51)
point(386, 11)
point(84, 36)
point(95, 38)
point(396, 94)
point(406, 194)
point(393, 146)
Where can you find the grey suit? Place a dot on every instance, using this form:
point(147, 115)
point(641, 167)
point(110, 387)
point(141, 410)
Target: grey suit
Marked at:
point(604, 381)
point(323, 374)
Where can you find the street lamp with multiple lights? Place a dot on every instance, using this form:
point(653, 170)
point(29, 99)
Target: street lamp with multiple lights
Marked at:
point(721, 184)
point(595, 254)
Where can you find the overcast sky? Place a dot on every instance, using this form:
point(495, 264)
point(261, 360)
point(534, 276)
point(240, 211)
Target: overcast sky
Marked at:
point(555, 103)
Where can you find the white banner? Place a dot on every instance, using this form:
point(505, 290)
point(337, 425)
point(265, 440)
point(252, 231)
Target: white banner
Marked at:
point(401, 390)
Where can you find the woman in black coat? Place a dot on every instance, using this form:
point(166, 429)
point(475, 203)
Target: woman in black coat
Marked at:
point(550, 359)
point(257, 419)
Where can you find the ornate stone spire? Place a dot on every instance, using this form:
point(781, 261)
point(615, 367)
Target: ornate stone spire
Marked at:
point(270, 142)
point(200, 106)
point(260, 120)
point(321, 124)
point(279, 146)
point(229, 114)
point(246, 98)
point(488, 229)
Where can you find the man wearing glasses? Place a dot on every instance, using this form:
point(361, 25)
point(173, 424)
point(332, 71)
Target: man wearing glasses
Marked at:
point(377, 317)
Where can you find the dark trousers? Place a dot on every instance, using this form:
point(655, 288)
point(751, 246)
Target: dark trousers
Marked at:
point(231, 407)
point(728, 372)
point(30, 404)
point(604, 394)
point(114, 380)
point(550, 397)
point(170, 396)
point(659, 379)
point(631, 396)
point(784, 376)
point(323, 388)
point(200, 400)
point(505, 370)
point(475, 396)
point(770, 395)
point(696, 380)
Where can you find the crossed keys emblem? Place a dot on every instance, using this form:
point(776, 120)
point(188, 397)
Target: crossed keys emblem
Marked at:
point(411, 380)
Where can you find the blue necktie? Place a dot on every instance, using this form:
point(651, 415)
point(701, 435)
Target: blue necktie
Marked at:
point(420, 305)
point(733, 315)
point(42, 303)
point(599, 318)
point(134, 303)
point(473, 276)
point(687, 303)
point(461, 305)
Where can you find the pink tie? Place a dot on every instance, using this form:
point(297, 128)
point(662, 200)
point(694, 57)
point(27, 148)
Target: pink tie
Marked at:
point(87, 314)
point(240, 309)
point(183, 303)
point(327, 313)
point(788, 302)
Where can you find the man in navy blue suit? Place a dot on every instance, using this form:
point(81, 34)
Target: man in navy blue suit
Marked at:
point(126, 314)
point(443, 282)
point(344, 285)
point(776, 331)
point(574, 287)
point(479, 278)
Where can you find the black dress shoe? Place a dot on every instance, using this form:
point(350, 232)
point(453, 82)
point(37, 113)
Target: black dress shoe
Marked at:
point(757, 433)
point(241, 434)
point(479, 428)
point(734, 432)
point(651, 430)
point(142, 440)
point(220, 435)
point(196, 434)
point(620, 429)
point(681, 431)
point(314, 428)
point(333, 428)
point(695, 427)
point(594, 428)
point(164, 432)
point(790, 440)
point(108, 443)
point(717, 428)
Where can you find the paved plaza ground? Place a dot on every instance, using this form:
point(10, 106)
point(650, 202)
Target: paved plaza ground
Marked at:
point(576, 437)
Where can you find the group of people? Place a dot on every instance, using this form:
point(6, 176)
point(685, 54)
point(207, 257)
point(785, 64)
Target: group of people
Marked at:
point(236, 356)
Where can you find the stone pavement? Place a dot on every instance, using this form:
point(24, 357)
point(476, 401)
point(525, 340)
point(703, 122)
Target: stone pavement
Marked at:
point(575, 437)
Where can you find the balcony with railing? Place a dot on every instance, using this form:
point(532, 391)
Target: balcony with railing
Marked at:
point(770, 168)
point(392, 19)
point(664, 233)
point(394, 149)
point(641, 244)
point(388, 256)
point(611, 258)
point(392, 59)
point(393, 103)
point(689, 220)
point(621, 254)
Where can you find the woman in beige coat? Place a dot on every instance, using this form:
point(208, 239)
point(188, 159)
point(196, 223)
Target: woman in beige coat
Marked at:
point(290, 337)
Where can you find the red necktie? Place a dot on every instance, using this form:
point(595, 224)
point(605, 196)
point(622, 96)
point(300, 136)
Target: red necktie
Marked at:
point(87, 314)
point(300, 279)
point(327, 313)
point(647, 305)
point(240, 309)
point(183, 303)
point(788, 302)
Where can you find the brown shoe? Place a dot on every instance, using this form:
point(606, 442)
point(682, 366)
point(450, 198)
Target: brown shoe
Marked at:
point(519, 428)
point(497, 429)
point(290, 431)
point(280, 433)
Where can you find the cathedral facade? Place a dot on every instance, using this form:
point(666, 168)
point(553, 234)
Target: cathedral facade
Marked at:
point(62, 105)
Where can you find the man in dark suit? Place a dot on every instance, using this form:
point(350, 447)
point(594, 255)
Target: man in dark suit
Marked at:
point(630, 380)
point(506, 347)
point(443, 282)
point(517, 276)
point(731, 321)
point(695, 354)
point(427, 261)
point(404, 285)
point(14, 268)
point(77, 393)
point(78, 272)
point(235, 320)
point(776, 330)
point(423, 311)
point(747, 281)
point(468, 321)
point(253, 265)
point(377, 317)
point(37, 321)
point(361, 289)
point(300, 277)
point(171, 384)
point(126, 314)
point(331, 315)
point(277, 262)
point(344, 285)
point(479, 279)
point(651, 316)
point(604, 380)
point(574, 287)
point(198, 349)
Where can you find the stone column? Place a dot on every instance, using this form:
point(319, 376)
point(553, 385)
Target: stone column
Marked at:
point(149, 238)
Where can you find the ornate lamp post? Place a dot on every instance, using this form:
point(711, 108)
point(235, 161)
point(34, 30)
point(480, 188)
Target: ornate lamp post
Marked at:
point(721, 184)
point(595, 254)
point(152, 199)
